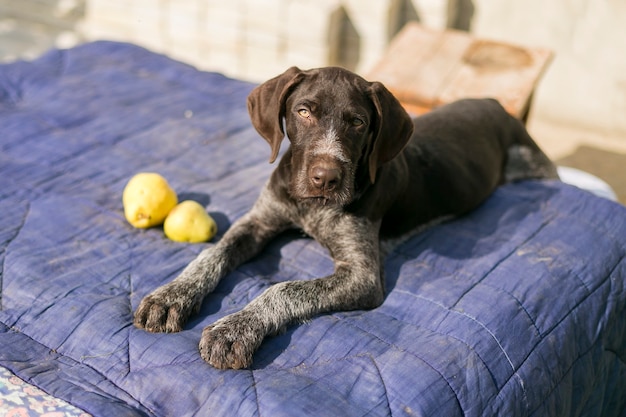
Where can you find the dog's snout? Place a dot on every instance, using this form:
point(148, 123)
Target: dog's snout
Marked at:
point(325, 177)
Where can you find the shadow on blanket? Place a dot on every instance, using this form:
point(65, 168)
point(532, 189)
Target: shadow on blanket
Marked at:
point(489, 229)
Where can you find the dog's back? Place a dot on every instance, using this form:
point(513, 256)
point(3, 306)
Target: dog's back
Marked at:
point(457, 156)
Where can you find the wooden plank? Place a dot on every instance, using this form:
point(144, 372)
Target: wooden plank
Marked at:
point(506, 72)
point(418, 62)
point(425, 68)
point(398, 68)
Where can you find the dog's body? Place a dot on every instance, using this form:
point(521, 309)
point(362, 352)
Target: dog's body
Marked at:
point(358, 170)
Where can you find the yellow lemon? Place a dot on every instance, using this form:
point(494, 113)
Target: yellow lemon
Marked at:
point(189, 222)
point(148, 199)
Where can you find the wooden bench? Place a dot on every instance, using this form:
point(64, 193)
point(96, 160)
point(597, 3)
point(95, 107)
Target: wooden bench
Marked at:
point(426, 68)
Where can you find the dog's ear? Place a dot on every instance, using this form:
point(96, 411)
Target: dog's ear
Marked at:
point(266, 105)
point(392, 130)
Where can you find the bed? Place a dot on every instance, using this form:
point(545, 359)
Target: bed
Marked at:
point(516, 309)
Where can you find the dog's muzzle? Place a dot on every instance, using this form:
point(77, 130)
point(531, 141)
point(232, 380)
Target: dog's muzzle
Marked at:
point(325, 177)
point(324, 181)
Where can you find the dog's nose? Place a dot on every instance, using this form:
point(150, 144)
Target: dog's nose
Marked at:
point(324, 177)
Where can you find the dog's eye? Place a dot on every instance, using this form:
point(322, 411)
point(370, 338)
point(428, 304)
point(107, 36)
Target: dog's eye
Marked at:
point(357, 122)
point(304, 113)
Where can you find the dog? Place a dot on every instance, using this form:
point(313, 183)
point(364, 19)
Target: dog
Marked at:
point(359, 171)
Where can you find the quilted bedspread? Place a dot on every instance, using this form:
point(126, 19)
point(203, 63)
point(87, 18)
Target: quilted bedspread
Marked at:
point(516, 309)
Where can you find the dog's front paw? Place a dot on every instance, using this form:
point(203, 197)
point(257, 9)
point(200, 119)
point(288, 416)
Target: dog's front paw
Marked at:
point(166, 309)
point(231, 342)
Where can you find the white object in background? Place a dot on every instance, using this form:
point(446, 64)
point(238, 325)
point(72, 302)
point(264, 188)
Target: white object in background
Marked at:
point(586, 181)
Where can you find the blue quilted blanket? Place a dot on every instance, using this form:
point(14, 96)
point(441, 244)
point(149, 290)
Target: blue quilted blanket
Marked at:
point(517, 309)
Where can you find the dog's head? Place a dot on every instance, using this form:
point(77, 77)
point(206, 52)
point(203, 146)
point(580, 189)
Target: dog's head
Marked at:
point(342, 129)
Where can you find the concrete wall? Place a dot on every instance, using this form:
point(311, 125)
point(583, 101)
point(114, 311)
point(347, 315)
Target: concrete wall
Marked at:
point(28, 28)
point(254, 39)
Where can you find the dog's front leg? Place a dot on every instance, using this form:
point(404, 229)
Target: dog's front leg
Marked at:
point(168, 307)
point(231, 341)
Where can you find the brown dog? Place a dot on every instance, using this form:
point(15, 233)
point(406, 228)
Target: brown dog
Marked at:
point(358, 170)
